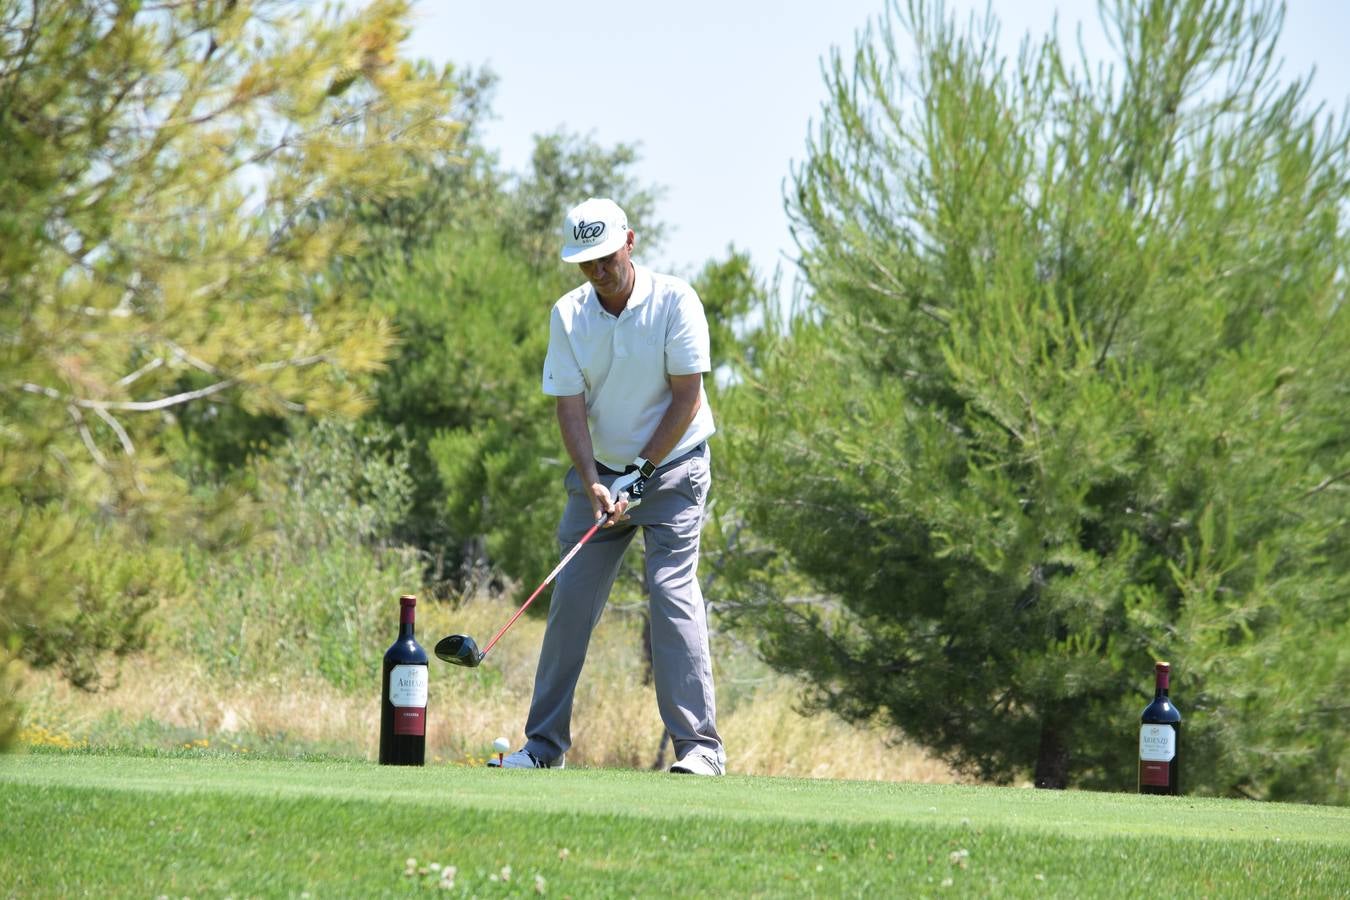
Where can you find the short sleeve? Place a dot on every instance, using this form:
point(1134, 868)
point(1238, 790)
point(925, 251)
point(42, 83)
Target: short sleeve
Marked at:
point(562, 375)
point(687, 345)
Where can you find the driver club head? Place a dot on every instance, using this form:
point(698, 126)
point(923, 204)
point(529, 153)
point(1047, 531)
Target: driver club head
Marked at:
point(459, 650)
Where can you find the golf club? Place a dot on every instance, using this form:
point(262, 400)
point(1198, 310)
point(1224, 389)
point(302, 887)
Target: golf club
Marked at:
point(462, 650)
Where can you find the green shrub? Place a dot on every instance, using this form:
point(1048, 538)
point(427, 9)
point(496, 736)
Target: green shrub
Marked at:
point(313, 593)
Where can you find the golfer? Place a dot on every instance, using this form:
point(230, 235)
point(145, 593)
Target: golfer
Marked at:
point(626, 356)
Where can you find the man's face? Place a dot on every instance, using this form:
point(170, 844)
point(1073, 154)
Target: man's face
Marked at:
point(609, 275)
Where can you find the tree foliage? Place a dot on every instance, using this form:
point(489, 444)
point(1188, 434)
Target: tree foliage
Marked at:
point(310, 595)
point(466, 385)
point(160, 249)
point(1070, 399)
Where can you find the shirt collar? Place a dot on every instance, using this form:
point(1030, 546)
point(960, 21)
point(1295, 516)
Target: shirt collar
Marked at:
point(643, 286)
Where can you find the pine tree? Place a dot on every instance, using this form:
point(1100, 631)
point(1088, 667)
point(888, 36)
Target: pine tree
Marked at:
point(1071, 398)
point(162, 246)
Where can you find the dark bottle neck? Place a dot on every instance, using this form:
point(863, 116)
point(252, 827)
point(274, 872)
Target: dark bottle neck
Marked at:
point(407, 607)
point(1163, 681)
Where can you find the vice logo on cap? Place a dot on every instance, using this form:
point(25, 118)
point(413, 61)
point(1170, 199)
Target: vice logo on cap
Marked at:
point(588, 232)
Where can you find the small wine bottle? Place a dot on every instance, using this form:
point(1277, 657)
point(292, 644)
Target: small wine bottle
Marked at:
point(403, 699)
point(1159, 738)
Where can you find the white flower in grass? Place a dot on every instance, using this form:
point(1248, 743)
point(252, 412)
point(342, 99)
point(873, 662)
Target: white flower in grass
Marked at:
point(506, 873)
point(435, 867)
point(539, 883)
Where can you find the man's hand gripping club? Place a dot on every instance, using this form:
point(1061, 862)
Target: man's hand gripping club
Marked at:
point(627, 489)
point(625, 494)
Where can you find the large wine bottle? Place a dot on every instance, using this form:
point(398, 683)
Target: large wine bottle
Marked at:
point(1159, 740)
point(403, 698)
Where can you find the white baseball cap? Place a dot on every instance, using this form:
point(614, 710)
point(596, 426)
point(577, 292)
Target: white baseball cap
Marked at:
point(592, 229)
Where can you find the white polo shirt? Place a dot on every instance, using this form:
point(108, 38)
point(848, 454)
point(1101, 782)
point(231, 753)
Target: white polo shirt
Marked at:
point(622, 364)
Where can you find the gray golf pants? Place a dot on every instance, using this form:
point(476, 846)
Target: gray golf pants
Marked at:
point(671, 517)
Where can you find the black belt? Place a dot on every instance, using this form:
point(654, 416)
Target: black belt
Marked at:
point(606, 470)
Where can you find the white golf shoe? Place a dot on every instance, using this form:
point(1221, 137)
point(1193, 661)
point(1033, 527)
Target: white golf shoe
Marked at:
point(698, 762)
point(524, 759)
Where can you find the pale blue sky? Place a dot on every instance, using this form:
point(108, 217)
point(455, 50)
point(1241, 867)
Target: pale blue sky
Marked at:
point(719, 95)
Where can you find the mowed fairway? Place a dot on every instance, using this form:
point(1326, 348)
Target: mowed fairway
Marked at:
point(215, 825)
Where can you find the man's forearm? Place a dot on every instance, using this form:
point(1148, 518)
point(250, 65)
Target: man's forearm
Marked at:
point(576, 435)
point(686, 396)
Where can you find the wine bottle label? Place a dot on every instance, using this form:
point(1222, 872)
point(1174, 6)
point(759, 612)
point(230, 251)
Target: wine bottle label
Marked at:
point(1157, 743)
point(1154, 774)
point(408, 686)
point(410, 720)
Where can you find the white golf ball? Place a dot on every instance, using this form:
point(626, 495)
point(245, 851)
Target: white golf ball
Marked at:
point(501, 745)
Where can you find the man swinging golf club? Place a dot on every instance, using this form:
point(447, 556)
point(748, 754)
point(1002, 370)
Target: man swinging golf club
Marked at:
point(626, 356)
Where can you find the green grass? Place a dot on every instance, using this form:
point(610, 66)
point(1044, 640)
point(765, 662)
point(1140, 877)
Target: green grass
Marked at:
point(210, 824)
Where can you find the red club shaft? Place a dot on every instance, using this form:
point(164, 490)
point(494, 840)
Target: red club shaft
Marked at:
point(551, 575)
